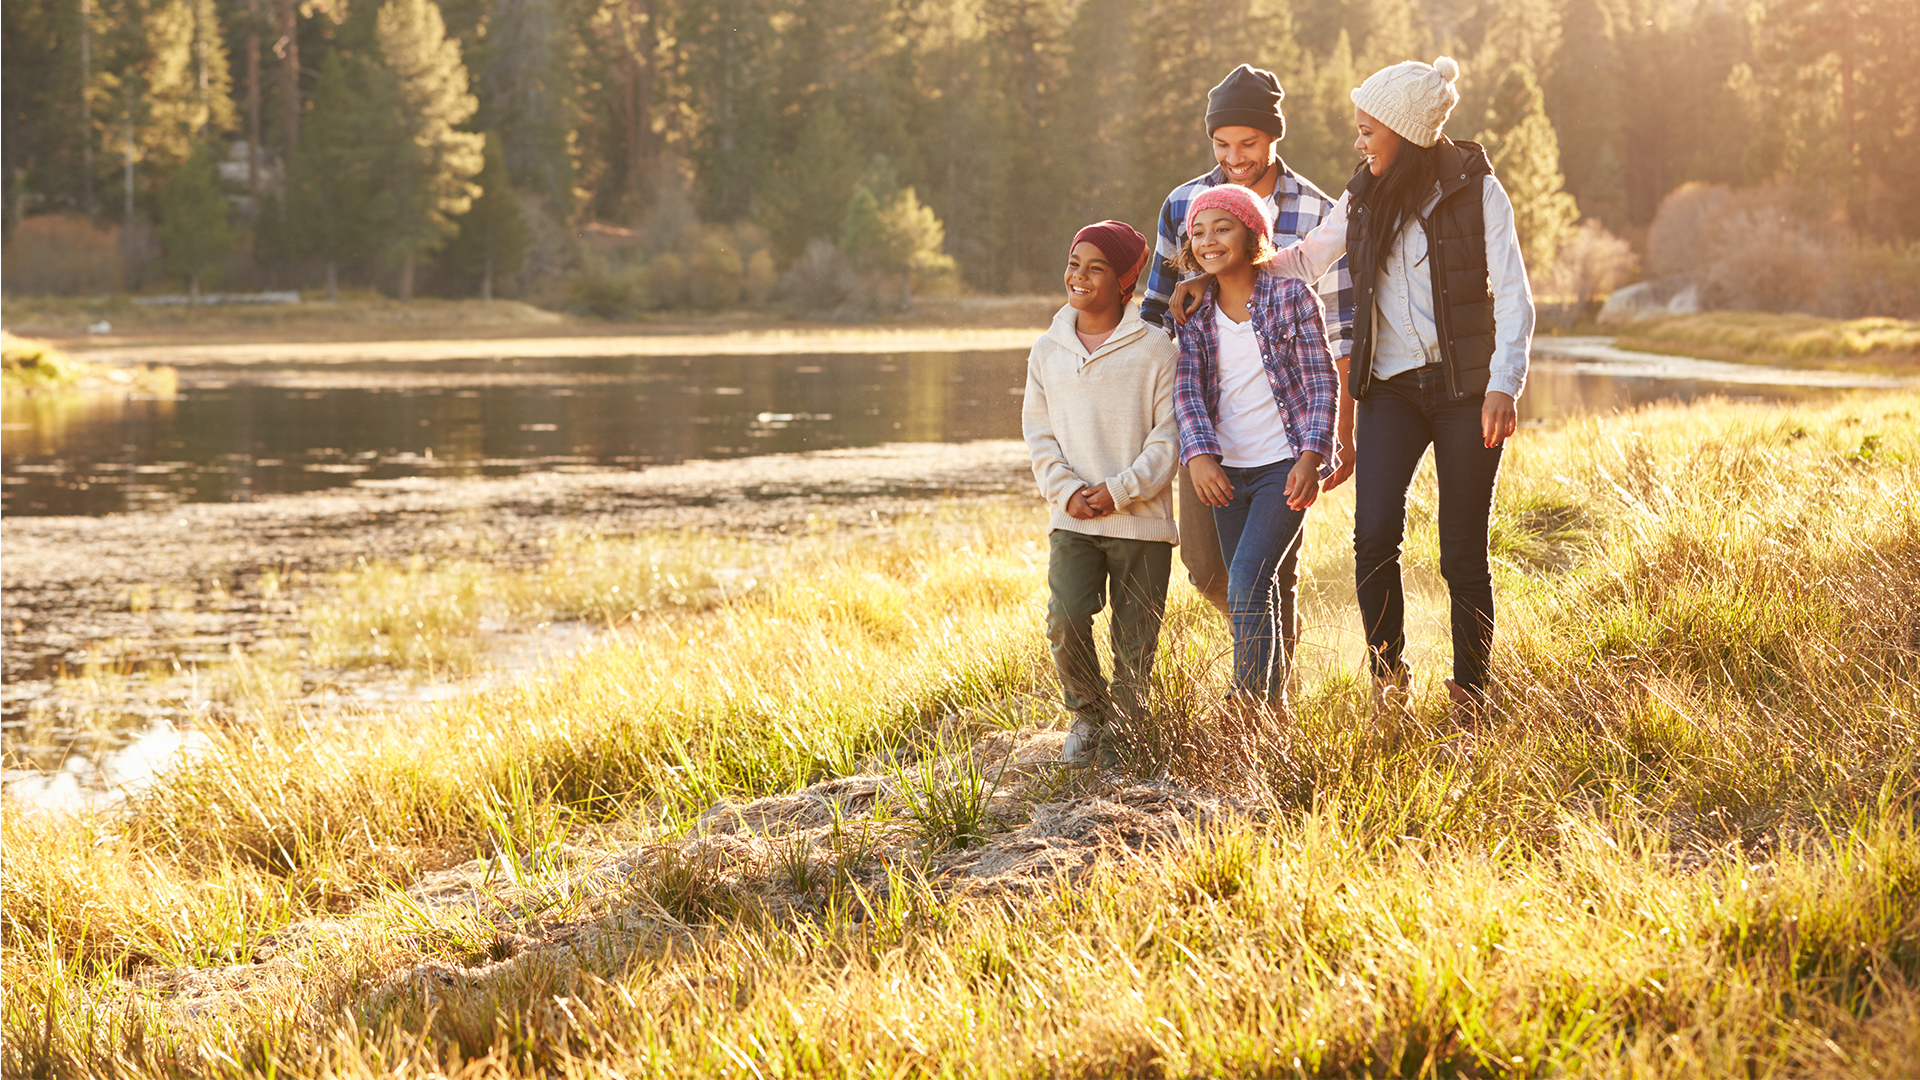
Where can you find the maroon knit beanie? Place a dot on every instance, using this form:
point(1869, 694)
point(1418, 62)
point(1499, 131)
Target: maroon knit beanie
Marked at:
point(1123, 246)
point(1236, 200)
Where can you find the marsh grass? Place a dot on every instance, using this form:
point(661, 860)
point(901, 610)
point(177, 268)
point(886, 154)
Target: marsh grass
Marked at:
point(1689, 844)
point(30, 367)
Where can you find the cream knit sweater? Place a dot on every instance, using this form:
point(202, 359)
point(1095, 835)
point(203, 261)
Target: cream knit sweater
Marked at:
point(1105, 417)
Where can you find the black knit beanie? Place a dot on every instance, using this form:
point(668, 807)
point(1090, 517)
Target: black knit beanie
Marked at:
point(1247, 97)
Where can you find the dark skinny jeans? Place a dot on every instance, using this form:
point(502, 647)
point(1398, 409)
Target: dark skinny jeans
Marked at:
point(1396, 422)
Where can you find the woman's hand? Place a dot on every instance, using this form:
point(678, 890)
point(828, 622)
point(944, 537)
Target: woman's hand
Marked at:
point(1344, 453)
point(1303, 481)
point(1187, 296)
point(1498, 417)
point(1210, 480)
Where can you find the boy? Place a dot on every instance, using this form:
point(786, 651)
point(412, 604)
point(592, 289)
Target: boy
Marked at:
point(1098, 419)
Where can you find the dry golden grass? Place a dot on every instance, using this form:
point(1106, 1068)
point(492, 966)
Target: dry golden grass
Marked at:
point(1688, 846)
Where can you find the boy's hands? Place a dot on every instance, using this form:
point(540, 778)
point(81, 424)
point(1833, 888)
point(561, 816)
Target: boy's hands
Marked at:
point(1187, 296)
point(1090, 502)
point(1100, 499)
point(1210, 480)
point(1303, 481)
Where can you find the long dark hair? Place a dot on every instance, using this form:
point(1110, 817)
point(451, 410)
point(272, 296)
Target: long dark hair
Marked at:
point(1395, 198)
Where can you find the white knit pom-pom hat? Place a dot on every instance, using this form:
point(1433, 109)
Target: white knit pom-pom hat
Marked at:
point(1414, 99)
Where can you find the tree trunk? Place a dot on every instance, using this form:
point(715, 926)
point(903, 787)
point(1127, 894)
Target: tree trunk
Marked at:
point(486, 281)
point(253, 100)
point(86, 106)
point(406, 278)
point(906, 292)
point(193, 289)
point(333, 282)
point(288, 49)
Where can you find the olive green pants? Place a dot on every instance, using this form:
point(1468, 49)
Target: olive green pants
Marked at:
point(1083, 573)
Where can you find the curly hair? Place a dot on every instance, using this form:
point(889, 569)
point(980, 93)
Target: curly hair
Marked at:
point(1185, 262)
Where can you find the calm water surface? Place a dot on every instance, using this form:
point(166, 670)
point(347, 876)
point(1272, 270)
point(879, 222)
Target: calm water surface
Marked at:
point(235, 433)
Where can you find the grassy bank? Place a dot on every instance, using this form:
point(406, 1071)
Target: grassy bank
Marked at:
point(29, 366)
point(371, 317)
point(1806, 341)
point(1689, 845)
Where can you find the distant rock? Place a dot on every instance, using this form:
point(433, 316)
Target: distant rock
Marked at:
point(1675, 294)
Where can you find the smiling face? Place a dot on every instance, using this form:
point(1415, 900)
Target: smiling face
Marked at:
point(1377, 142)
point(1221, 243)
point(1245, 153)
point(1093, 285)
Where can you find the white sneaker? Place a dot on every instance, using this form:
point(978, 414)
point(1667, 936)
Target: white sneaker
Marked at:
point(1083, 743)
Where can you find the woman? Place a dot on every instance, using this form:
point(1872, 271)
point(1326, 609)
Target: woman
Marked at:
point(1443, 319)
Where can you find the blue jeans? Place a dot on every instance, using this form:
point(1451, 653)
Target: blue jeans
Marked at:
point(1257, 531)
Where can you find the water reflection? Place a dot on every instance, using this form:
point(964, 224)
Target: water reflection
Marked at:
point(231, 435)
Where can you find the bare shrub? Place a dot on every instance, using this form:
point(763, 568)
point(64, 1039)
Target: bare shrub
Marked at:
point(1673, 240)
point(1773, 249)
point(820, 280)
point(63, 255)
point(1591, 263)
point(1759, 253)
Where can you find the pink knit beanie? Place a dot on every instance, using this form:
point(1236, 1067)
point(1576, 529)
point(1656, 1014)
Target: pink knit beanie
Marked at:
point(1236, 200)
point(1123, 246)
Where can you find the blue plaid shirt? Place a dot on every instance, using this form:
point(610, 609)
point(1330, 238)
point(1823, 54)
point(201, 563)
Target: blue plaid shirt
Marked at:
point(1286, 322)
point(1297, 206)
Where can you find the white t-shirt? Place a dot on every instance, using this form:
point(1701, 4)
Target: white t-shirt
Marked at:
point(1250, 428)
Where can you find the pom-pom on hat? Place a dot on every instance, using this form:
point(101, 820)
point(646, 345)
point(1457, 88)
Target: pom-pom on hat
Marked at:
point(1123, 247)
point(1236, 200)
point(1247, 97)
point(1414, 99)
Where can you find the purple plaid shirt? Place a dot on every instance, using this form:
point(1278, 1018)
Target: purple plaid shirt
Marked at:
point(1293, 347)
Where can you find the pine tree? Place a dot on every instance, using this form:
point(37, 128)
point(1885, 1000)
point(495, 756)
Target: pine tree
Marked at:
point(196, 229)
point(525, 91)
point(493, 235)
point(1525, 153)
point(419, 89)
point(331, 175)
point(889, 231)
point(808, 197)
point(1585, 96)
point(188, 91)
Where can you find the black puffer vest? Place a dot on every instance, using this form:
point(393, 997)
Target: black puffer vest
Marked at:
point(1457, 257)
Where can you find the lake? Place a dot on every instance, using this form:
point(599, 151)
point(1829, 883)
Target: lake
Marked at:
point(236, 432)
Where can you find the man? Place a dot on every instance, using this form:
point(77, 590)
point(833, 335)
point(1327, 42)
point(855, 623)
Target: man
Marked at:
point(1245, 123)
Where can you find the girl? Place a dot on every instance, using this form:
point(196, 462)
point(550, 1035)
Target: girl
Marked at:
point(1443, 319)
point(1255, 392)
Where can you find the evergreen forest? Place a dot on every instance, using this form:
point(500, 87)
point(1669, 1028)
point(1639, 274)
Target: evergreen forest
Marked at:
point(622, 155)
